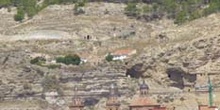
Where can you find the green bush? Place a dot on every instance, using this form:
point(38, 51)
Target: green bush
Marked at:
point(213, 8)
point(53, 66)
point(194, 15)
point(69, 59)
point(78, 8)
point(38, 60)
point(81, 3)
point(20, 15)
point(131, 9)
point(181, 17)
point(109, 58)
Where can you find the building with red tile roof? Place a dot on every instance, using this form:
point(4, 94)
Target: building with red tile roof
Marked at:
point(144, 103)
point(123, 54)
point(206, 107)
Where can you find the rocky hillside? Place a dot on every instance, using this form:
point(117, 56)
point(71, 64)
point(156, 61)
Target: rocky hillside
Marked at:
point(163, 50)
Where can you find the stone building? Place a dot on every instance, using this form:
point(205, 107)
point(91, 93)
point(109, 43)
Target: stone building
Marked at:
point(142, 102)
point(112, 102)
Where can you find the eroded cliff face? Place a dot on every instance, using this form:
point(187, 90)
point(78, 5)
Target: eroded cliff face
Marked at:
point(167, 56)
point(180, 61)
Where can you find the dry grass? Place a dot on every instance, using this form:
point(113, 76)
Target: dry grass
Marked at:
point(25, 104)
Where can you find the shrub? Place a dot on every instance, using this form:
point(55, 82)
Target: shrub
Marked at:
point(69, 59)
point(146, 9)
point(109, 58)
point(181, 17)
point(131, 9)
point(78, 8)
point(38, 60)
point(53, 66)
point(79, 11)
point(81, 3)
point(20, 15)
point(4, 3)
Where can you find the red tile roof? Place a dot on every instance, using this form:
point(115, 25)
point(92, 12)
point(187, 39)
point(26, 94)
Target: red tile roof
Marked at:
point(146, 102)
point(123, 52)
point(142, 102)
point(206, 107)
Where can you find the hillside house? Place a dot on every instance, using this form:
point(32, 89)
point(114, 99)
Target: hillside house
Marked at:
point(123, 54)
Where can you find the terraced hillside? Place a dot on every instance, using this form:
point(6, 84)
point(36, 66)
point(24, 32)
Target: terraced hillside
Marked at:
point(56, 31)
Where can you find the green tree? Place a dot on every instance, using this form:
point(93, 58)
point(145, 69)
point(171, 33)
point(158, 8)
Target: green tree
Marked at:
point(30, 7)
point(69, 59)
point(20, 15)
point(109, 58)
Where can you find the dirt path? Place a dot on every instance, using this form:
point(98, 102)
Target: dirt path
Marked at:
point(37, 35)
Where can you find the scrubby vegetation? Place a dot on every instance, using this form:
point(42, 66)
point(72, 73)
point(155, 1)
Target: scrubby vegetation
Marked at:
point(38, 60)
point(132, 9)
point(20, 15)
point(50, 82)
point(52, 66)
point(69, 59)
point(179, 10)
point(78, 8)
point(109, 58)
point(41, 61)
point(31, 7)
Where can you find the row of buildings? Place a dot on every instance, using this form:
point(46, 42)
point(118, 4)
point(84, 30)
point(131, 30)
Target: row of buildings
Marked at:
point(140, 103)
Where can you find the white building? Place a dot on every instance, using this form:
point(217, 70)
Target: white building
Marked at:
point(123, 54)
point(119, 57)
